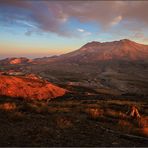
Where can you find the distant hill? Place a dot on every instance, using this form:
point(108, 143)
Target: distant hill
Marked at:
point(15, 61)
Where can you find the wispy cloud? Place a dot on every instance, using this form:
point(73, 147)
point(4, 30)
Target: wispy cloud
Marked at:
point(81, 30)
point(116, 20)
point(84, 32)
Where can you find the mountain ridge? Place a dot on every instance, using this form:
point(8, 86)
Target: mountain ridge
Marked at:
point(120, 50)
point(94, 51)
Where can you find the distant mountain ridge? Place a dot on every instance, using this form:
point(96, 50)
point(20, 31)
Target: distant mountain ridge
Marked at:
point(117, 50)
point(94, 51)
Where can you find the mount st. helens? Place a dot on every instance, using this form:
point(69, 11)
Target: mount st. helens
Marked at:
point(94, 51)
point(118, 66)
point(116, 50)
point(125, 49)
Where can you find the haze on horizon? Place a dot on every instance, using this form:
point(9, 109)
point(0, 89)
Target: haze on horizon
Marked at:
point(46, 28)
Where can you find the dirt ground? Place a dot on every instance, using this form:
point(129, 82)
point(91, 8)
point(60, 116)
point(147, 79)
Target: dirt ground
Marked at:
point(73, 120)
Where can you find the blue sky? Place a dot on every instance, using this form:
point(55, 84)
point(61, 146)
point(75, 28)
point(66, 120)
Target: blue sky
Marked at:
point(45, 28)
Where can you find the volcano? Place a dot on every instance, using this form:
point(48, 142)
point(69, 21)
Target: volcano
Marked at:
point(117, 50)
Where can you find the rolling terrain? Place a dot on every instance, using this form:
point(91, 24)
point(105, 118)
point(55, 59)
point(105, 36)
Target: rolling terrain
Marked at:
point(118, 67)
point(82, 98)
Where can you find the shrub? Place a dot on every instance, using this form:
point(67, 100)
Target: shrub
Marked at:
point(94, 113)
point(8, 106)
point(64, 122)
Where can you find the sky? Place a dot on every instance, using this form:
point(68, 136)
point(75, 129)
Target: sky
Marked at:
point(37, 28)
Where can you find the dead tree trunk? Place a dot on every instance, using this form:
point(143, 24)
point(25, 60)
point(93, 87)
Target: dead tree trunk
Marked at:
point(133, 112)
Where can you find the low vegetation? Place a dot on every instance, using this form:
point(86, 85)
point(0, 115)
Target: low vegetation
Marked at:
point(72, 121)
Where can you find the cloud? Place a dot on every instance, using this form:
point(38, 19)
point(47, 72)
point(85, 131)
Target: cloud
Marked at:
point(116, 20)
point(28, 33)
point(46, 18)
point(84, 32)
point(81, 30)
point(87, 33)
point(139, 35)
point(49, 16)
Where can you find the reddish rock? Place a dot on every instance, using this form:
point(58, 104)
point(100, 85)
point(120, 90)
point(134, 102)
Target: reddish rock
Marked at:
point(28, 88)
point(19, 60)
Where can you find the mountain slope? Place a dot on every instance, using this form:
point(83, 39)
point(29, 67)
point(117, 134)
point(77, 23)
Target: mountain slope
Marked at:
point(28, 88)
point(119, 65)
point(117, 50)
